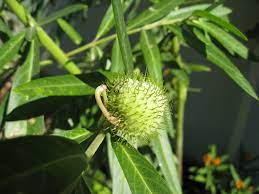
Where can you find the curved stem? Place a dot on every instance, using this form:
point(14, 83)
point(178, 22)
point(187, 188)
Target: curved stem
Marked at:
point(98, 92)
point(113, 36)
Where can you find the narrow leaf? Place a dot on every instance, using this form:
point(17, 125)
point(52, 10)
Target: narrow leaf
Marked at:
point(162, 148)
point(119, 182)
point(70, 31)
point(9, 50)
point(216, 56)
point(152, 56)
point(220, 22)
point(185, 12)
point(67, 85)
point(24, 74)
point(227, 40)
point(122, 35)
point(61, 13)
point(108, 19)
point(47, 164)
point(117, 64)
point(140, 174)
point(78, 134)
point(154, 13)
point(198, 68)
point(5, 29)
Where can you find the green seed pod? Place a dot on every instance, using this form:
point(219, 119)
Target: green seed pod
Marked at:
point(138, 107)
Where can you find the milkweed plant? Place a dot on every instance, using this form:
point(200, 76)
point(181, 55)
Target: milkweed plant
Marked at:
point(105, 113)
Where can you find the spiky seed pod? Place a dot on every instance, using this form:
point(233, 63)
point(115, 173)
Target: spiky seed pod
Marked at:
point(139, 106)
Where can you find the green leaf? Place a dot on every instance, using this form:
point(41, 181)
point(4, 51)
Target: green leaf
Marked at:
point(152, 56)
point(162, 148)
point(119, 182)
point(70, 31)
point(5, 29)
point(216, 56)
point(24, 74)
point(140, 174)
point(227, 40)
point(61, 13)
point(108, 19)
point(117, 64)
point(220, 22)
point(186, 12)
point(47, 164)
point(154, 13)
point(78, 134)
point(160, 144)
point(66, 85)
point(198, 68)
point(9, 50)
point(122, 36)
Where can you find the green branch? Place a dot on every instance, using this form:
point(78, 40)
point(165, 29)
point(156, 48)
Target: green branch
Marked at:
point(114, 36)
point(46, 41)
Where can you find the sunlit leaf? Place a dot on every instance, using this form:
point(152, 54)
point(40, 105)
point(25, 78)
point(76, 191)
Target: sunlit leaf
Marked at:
point(24, 74)
point(78, 134)
point(186, 12)
point(140, 174)
point(154, 13)
point(117, 64)
point(5, 29)
point(61, 13)
point(152, 56)
point(70, 31)
point(226, 39)
point(219, 58)
point(66, 85)
point(228, 26)
point(108, 19)
point(124, 43)
point(9, 50)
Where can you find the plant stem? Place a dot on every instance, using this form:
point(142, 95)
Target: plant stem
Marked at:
point(113, 36)
point(180, 125)
point(123, 38)
point(94, 145)
point(46, 41)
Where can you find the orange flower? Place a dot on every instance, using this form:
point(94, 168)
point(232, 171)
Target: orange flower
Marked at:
point(217, 161)
point(240, 184)
point(207, 159)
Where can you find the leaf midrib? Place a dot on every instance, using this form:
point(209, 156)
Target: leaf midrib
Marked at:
point(151, 15)
point(135, 167)
point(7, 52)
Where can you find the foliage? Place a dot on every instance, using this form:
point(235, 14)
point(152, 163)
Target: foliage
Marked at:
point(220, 176)
point(51, 126)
